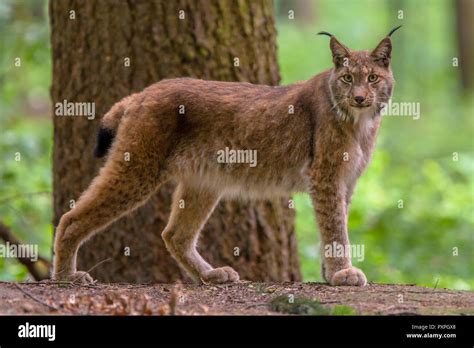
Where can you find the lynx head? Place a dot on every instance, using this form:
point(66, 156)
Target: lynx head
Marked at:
point(361, 81)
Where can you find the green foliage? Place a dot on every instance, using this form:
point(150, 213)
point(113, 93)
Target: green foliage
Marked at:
point(25, 141)
point(24, 34)
point(343, 310)
point(305, 306)
point(25, 187)
point(415, 160)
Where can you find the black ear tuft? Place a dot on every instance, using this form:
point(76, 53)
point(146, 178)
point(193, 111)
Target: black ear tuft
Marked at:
point(325, 33)
point(383, 52)
point(338, 50)
point(393, 30)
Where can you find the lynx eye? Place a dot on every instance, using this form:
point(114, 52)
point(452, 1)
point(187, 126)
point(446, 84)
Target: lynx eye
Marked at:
point(373, 78)
point(347, 78)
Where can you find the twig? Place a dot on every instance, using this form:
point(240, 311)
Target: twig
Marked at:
point(329, 302)
point(90, 269)
point(19, 215)
point(79, 278)
point(64, 282)
point(21, 194)
point(98, 264)
point(256, 305)
point(404, 313)
point(34, 297)
point(32, 266)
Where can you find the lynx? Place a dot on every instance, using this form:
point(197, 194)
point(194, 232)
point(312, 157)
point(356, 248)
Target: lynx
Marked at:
point(315, 136)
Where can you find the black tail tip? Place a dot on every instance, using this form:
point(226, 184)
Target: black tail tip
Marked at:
point(105, 137)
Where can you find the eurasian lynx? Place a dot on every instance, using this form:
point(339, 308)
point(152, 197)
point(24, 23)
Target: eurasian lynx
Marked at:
point(315, 136)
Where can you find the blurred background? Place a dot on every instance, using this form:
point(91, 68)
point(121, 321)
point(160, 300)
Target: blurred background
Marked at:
point(413, 208)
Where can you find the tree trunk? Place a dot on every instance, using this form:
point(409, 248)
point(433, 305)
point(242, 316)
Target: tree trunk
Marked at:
point(465, 28)
point(90, 64)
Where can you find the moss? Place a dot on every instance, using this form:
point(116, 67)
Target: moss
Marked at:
point(343, 310)
point(306, 306)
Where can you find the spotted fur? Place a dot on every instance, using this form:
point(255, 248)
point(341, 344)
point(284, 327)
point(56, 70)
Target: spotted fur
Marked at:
point(309, 136)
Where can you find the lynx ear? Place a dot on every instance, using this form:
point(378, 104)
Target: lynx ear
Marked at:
point(383, 52)
point(339, 51)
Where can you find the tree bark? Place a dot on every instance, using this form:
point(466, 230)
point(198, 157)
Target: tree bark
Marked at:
point(90, 55)
point(465, 28)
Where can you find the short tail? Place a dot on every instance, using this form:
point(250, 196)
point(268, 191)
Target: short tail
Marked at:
point(108, 127)
point(105, 137)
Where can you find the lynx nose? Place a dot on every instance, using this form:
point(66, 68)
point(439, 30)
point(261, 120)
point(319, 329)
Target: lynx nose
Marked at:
point(359, 99)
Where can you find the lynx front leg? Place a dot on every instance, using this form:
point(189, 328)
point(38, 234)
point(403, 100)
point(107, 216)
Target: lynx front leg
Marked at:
point(190, 211)
point(331, 212)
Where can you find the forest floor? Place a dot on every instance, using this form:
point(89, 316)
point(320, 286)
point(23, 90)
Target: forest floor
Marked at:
point(245, 298)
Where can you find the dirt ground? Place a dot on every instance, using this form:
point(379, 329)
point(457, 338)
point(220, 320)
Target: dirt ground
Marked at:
point(245, 298)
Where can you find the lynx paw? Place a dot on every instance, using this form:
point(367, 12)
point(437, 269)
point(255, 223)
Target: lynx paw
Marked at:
point(78, 277)
point(220, 275)
point(349, 276)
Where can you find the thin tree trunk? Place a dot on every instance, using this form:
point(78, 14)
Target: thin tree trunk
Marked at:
point(90, 55)
point(302, 11)
point(465, 37)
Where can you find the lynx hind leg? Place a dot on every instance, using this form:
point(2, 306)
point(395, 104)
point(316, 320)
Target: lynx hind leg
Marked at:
point(129, 177)
point(190, 211)
point(111, 195)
